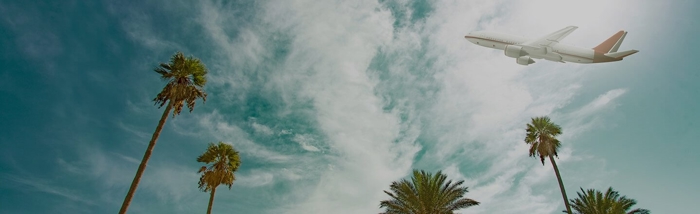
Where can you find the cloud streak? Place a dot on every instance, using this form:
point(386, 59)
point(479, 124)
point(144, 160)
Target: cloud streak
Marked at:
point(44, 186)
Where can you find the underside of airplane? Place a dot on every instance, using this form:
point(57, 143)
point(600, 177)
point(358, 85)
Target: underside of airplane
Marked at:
point(548, 47)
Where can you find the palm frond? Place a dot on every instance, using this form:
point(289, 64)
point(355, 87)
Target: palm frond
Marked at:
point(426, 193)
point(224, 161)
point(592, 201)
point(639, 211)
point(541, 136)
point(186, 78)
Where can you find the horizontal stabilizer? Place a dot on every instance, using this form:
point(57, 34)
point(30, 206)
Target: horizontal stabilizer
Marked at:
point(621, 54)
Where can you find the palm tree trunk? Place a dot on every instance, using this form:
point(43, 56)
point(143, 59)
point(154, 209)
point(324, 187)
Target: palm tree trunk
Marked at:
point(144, 161)
point(211, 200)
point(561, 185)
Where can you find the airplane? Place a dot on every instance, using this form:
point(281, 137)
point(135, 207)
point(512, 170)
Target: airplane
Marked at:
point(548, 47)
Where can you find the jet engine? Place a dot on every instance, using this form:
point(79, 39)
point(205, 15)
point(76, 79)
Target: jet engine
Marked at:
point(514, 51)
point(524, 60)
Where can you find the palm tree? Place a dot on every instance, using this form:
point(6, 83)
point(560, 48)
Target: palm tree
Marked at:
point(541, 135)
point(186, 77)
point(426, 194)
point(225, 161)
point(595, 202)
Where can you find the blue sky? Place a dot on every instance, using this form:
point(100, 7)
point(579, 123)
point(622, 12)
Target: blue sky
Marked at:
point(328, 102)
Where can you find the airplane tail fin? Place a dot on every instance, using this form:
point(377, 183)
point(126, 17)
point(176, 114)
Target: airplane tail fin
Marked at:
point(611, 44)
point(622, 54)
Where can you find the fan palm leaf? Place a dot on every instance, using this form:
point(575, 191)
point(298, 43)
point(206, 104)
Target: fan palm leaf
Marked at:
point(541, 135)
point(223, 161)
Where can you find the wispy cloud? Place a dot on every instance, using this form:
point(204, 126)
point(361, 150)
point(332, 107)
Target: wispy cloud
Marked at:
point(261, 129)
point(214, 124)
point(603, 101)
point(112, 173)
point(46, 186)
point(262, 177)
point(141, 137)
point(35, 43)
point(586, 118)
point(255, 178)
point(140, 27)
point(305, 141)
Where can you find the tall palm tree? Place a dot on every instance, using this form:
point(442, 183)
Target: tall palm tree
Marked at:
point(186, 77)
point(426, 194)
point(541, 136)
point(224, 161)
point(595, 202)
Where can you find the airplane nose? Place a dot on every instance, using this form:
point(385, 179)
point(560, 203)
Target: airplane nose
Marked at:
point(470, 39)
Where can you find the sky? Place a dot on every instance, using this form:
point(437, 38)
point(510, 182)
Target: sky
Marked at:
point(328, 102)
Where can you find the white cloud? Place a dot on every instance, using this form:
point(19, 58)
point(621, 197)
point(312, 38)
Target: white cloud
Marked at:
point(141, 137)
point(305, 141)
point(263, 177)
point(128, 159)
point(140, 27)
point(332, 48)
point(214, 124)
point(171, 184)
point(45, 186)
point(586, 118)
point(602, 101)
point(254, 179)
point(262, 129)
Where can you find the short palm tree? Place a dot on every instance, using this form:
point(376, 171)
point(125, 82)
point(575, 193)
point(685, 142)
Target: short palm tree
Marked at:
point(595, 202)
point(224, 162)
point(426, 194)
point(186, 77)
point(541, 136)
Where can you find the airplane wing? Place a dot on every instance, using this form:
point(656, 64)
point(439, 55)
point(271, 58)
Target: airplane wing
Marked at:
point(555, 37)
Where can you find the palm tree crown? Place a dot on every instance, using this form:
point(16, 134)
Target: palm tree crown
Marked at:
point(224, 162)
point(592, 201)
point(541, 135)
point(186, 77)
point(426, 194)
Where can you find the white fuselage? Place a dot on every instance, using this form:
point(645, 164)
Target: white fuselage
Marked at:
point(558, 52)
